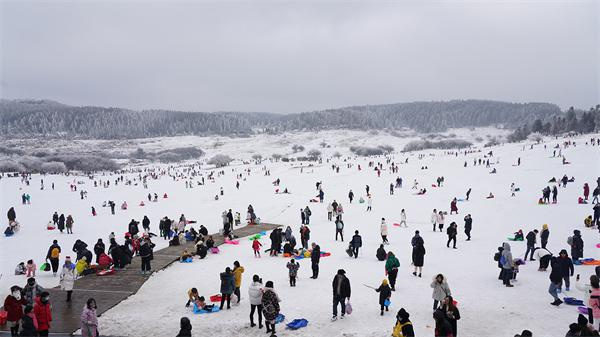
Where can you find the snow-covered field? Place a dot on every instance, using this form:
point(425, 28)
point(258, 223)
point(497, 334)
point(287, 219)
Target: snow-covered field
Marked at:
point(487, 307)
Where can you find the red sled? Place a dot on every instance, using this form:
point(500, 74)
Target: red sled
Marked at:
point(433, 185)
point(105, 272)
point(215, 298)
point(50, 228)
point(397, 224)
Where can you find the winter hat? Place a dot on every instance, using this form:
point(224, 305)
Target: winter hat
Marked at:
point(545, 226)
point(341, 272)
point(563, 251)
point(68, 259)
point(581, 320)
point(403, 314)
point(55, 241)
point(597, 270)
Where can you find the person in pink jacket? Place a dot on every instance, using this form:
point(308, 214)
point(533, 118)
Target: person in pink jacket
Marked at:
point(594, 301)
point(89, 320)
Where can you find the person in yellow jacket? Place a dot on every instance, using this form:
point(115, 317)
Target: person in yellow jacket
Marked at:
point(237, 276)
point(403, 327)
point(192, 296)
point(81, 265)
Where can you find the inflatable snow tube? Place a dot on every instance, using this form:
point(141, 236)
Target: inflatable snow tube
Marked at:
point(214, 250)
point(188, 260)
point(232, 242)
point(202, 311)
point(573, 301)
point(215, 298)
point(325, 254)
point(106, 272)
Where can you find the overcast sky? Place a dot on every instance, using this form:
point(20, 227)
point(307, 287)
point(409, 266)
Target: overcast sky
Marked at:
point(283, 56)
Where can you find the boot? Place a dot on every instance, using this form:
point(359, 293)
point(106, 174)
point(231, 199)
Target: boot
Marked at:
point(415, 273)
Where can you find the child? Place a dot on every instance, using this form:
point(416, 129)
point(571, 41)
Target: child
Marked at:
point(185, 255)
point(20, 269)
point(43, 313)
point(30, 324)
point(293, 267)
point(238, 220)
point(192, 296)
point(256, 247)
point(210, 242)
point(385, 292)
point(403, 327)
point(519, 235)
point(201, 304)
point(31, 267)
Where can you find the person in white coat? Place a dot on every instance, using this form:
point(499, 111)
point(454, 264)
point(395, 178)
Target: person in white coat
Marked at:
point(434, 217)
point(384, 232)
point(255, 293)
point(440, 220)
point(586, 287)
point(340, 211)
point(403, 218)
point(329, 212)
point(68, 277)
point(369, 203)
point(441, 290)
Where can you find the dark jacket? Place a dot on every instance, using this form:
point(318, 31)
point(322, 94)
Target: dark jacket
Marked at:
point(315, 256)
point(556, 274)
point(12, 215)
point(577, 246)
point(451, 231)
point(545, 234)
point(99, 248)
point(418, 255)
point(227, 283)
point(28, 327)
point(468, 223)
point(146, 222)
point(61, 222)
point(452, 316)
point(381, 254)
point(356, 241)
point(341, 282)
point(565, 266)
point(145, 250)
point(530, 238)
point(385, 292)
point(49, 254)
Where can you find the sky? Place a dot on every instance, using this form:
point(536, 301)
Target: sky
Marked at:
point(294, 56)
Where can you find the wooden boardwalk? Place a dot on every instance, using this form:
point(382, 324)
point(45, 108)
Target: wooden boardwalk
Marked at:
point(111, 290)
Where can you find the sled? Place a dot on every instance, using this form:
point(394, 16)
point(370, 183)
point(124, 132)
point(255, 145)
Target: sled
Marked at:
point(460, 200)
point(255, 237)
point(232, 242)
point(50, 228)
point(214, 250)
point(142, 204)
point(263, 233)
point(598, 245)
point(202, 311)
point(188, 260)
point(583, 310)
point(513, 239)
point(105, 272)
point(396, 224)
point(280, 318)
point(590, 262)
point(433, 185)
point(314, 200)
point(215, 298)
point(325, 254)
point(573, 301)
point(297, 324)
point(190, 222)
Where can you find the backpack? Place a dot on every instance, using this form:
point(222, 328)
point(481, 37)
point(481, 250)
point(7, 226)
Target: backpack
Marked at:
point(497, 256)
point(502, 259)
point(570, 240)
point(54, 253)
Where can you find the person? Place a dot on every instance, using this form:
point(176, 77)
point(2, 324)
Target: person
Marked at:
point(565, 267)
point(434, 217)
point(55, 219)
point(13, 305)
point(256, 247)
point(468, 226)
point(270, 303)
point(451, 232)
point(440, 290)
point(369, 203)
point(293, 267)
point(341, 292)
point(555, 281)
point(440, 220)
point(356, 243)
point(391, 267)
point(468, 194)
point(329, 212)
point(506, 260)
point(315, 257)
point(531, 241)
point(384, 232)
point(61, 223)
point(31, 291)
point(238, 270)
point(43, 313)
point(185, 327)
point(381, 253)
point(452, 314)
point(403, 218)
point(193, 296)
point(146, 223)
point(385, 293)
point(442, 326)
point(89, 319)
point(69, 224)
point(526, 333)
point(227, 287)
point(576, 246)
point(29, 322)
point(403, 326)
point(544, 235)
point(68, 277)
point(146, 256)
point(30, 268)
point(544, 256)
point(99, 248)
point(201, 304)
point(339, 228)
point(594, 301)
point(255, 294)
point(53, 256)
point(418, 257)
point(453, 207)
point(350, 196)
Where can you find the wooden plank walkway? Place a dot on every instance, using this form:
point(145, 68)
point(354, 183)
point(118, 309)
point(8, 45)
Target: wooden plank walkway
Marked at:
point(111, 290)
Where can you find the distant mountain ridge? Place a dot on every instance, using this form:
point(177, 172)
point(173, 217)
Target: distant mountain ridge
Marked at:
point(44, 118)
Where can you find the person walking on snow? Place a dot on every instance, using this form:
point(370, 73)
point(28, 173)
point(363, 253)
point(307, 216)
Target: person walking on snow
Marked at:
point(440, 290)
point(238, 270)
point(565, 266)
point(453, 206)
point(506, 260)
point(391, 268)
point(451, 232)
point(293, 267)
point(350, 196)
point(369, 203)
point(356, 243)
point(385, 293)
point(403, 218)
point(531, 241)
point(270, 303)
point(255, 294)
point(339, 228)
point(544, 235)
point(434, 217)
point(468, 226)
point(341, 292)
point(555, 282)
point(315, 257)
point(440, 220)
point(418, 254)
point(384, 232)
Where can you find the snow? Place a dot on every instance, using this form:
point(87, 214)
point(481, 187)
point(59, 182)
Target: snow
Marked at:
point(487, 307)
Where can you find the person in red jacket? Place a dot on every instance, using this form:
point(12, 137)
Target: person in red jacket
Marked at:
point(13, 304)
point(586, 191)
point(43, 313)
point(256, 247)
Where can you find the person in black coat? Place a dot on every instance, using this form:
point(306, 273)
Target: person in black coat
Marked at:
point(451, 232)
point(55, 219)
point(146, 223)
point(61, 223)
point(146, 255)
point(133, 227)
point(556, 277)
point(385, 292)
point(468, 226)
point(544, 235)
point(341, 291)
point(381, 253)
point(203, 230)
point(418, 258)
point(577, 246)
point(315, 257)
point(11, 214)
point(185, 327)
point(99, 248)
point(78, 249)
point(356, 243)
point(452, 314)
point(531, 240)
point(442, 326)
point(565, 267)
point(201, 249)
point(116, 253)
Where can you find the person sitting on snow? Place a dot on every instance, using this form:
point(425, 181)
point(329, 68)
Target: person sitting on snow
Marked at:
point(201, 304)
point(185, 255)
point(20, 269)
